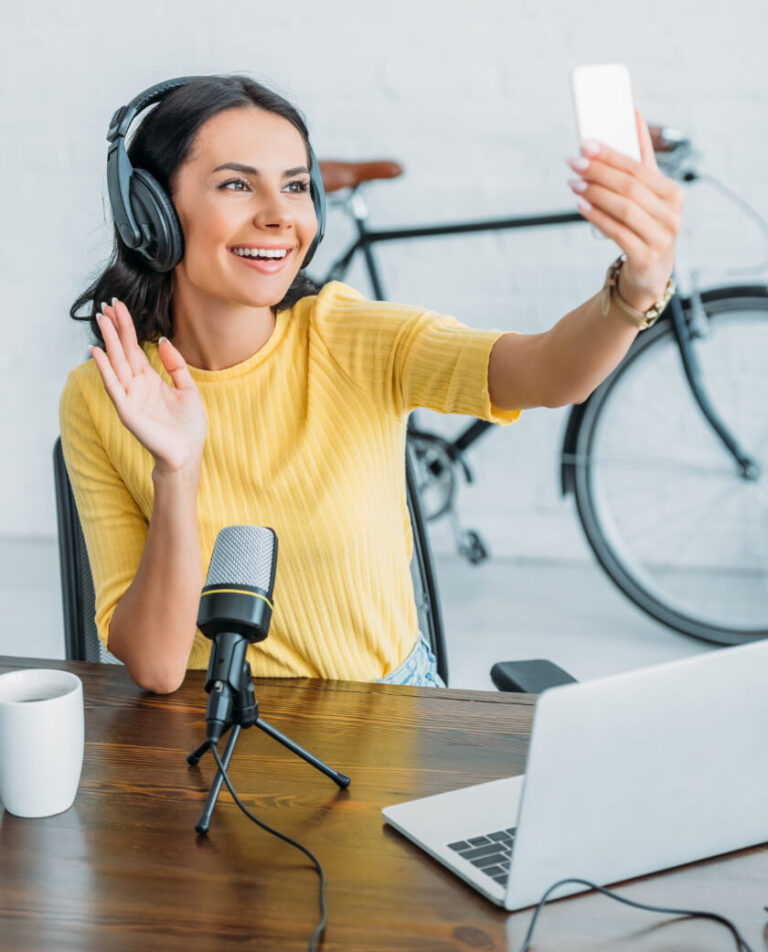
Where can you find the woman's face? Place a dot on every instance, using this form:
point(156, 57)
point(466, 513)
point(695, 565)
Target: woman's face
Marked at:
point(243, 191)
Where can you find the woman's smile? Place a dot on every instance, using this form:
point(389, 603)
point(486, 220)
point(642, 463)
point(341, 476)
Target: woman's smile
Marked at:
point(266, 258)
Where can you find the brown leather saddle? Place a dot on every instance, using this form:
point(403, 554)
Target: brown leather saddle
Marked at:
point(338, 175)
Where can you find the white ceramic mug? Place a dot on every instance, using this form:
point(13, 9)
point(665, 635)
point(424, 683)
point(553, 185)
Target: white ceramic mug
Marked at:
point(41, 741)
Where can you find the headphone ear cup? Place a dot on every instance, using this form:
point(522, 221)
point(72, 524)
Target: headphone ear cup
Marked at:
point(317, 190)
point(163, 241)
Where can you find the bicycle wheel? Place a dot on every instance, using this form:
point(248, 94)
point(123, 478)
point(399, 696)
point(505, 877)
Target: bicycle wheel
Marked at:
point(435, 476)
point(662, 502)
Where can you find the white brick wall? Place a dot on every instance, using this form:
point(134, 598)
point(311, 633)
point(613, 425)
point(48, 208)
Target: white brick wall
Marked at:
point(472, 98)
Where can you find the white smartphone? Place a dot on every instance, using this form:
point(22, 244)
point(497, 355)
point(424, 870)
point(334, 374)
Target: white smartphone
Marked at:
point(602, 100)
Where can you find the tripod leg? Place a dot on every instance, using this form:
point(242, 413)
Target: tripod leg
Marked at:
point(205, 819)
point(339, 778)
point(194, 758)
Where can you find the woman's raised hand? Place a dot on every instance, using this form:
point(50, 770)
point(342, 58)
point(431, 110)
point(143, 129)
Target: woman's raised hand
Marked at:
point(636, 205)
point(169, 421)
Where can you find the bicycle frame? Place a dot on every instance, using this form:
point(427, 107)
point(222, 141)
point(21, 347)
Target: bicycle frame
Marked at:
point(366, 237)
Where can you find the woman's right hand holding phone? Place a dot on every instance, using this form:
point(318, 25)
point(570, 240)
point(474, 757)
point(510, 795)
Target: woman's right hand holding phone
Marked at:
point(170, 421)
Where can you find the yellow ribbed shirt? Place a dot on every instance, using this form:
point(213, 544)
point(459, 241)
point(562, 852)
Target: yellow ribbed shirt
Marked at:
point(306, 436)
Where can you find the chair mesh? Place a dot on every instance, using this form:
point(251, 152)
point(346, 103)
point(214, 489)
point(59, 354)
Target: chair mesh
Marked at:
point(92, 644)
point(78, 596)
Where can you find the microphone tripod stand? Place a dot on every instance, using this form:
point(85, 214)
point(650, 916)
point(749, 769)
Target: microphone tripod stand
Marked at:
point(245, 713)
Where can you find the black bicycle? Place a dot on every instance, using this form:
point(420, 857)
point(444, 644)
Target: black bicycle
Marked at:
point(665, 458)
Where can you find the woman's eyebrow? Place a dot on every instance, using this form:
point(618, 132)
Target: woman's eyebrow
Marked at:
point(250, 170)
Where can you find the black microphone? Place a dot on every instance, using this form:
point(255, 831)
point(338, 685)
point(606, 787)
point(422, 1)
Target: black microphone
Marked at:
point(235, 611)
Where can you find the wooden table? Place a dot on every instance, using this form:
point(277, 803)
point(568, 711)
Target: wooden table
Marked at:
point(123, 869)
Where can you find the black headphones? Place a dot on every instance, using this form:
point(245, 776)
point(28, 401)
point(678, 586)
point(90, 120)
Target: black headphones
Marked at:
point(143, 211)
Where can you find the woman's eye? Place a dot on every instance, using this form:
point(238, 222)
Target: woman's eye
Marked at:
point(232, 185)
point(240, 185)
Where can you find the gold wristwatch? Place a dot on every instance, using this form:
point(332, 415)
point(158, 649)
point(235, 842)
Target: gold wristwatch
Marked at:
point(641, 319)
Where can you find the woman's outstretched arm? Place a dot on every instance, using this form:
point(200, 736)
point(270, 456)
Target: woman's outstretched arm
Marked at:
point(640, 209)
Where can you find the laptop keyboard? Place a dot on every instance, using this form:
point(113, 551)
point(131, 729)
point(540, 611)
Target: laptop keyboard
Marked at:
point(490, 853)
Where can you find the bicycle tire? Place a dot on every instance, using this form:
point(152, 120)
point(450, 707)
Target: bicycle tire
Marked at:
point(695, 594)
point(435, 475)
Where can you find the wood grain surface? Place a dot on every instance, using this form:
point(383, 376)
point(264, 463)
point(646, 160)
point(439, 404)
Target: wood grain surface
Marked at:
point(123, 869)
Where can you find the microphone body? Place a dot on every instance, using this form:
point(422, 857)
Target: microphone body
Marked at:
point(235, 611)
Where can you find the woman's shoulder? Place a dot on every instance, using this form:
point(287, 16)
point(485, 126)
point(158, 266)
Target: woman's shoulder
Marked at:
point(83, 389)
point(79, 378)
point(337, 301)
point(334, 294)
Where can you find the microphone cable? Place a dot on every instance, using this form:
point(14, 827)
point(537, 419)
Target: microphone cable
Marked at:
point(323, 917)
point(741, 943)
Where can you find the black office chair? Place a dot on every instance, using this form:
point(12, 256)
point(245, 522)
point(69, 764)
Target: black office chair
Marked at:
point(78, 597)
point(81, 640)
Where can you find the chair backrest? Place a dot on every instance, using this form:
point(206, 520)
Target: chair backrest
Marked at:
point(423, 574)
point(81, 641)
point(79, 601)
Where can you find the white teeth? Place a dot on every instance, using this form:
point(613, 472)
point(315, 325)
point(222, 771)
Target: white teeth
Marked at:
point(261, 252)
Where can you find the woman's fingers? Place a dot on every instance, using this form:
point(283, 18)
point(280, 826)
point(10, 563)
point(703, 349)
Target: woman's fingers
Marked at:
point(121, 319)
point(126, 357)
point(645, 224)
point(627, 239)
point(112, 385)
point(648, 175)
point(120, 365)
point(175, 364)
point(135, 356)
point(631, 189)
point(646, 145)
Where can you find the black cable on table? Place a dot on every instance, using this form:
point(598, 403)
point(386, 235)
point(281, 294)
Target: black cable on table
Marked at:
point(741, 944)
point(323, 918)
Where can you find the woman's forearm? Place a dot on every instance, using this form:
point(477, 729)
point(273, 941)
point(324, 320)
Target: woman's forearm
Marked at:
point(582, 349)
point(153, 625)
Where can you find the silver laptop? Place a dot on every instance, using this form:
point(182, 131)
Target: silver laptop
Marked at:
point(625, 776)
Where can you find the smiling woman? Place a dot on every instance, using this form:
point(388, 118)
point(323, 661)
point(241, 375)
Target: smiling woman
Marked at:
point(207, 114)
point(225, 389)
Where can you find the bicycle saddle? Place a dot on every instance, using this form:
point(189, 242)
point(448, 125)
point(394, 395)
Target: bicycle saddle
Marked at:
point(338, 175)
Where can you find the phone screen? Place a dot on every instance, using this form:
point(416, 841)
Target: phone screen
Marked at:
point(602, 99)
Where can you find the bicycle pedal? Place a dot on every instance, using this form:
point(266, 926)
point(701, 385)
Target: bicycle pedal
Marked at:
point(473, 548)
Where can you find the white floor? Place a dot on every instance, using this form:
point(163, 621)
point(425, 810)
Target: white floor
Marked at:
point(501, 611)
point(509, 610)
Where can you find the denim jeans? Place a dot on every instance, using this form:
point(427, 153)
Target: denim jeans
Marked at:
point(419, 668)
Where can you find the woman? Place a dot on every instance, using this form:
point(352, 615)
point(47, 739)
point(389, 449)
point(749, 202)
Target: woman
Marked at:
point(228, 392)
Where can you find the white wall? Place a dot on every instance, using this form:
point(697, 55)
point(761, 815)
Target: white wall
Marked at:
point(472, 98)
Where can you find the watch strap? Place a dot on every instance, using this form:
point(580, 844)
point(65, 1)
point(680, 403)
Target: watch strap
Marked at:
point(611, 295)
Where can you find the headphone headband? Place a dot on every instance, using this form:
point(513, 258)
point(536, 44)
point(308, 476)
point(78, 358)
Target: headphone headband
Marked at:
point(124, 116)
point(143, 212)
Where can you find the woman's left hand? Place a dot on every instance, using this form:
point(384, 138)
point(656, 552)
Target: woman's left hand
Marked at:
point(638, 207)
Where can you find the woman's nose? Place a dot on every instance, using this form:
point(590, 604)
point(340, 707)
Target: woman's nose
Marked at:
point(273, 212)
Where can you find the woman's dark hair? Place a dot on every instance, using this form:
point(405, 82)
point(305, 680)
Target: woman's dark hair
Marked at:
point(160, 145)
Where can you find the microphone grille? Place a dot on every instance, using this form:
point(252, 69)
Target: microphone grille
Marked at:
point(244, 555)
